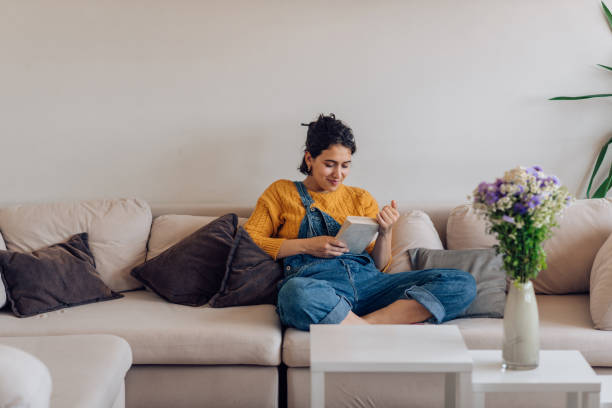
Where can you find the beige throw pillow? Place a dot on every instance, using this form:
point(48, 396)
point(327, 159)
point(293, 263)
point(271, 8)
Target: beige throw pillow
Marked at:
point(466, 230)
point(414, 229)
point(601, 287)
point(118, 232)
point(570, 252)
point(167, 230)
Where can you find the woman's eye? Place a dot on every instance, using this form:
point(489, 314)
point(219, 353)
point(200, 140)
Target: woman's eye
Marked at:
point(329, 166)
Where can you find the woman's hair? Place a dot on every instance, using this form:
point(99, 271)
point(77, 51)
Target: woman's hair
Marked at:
point(323, 133)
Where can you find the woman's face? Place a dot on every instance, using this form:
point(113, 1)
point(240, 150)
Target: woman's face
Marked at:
point(329, 169)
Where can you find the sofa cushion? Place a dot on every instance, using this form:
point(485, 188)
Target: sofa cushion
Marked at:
point(169, 229)
point(165, 333)
point(565, 323)
point(87, 371)
point(118, 232)
point(601, 287)
point(25, 381)
point(251, 275)
point(190, 272)
point(483, 264)
point(2, 289)
point(52, 278)
point(570, 252)
point(414, 229)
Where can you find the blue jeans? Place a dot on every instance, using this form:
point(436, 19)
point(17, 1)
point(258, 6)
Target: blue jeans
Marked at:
point(323, 291)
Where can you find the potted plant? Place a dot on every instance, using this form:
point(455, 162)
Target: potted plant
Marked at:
point(605, 186)
point(521, 210)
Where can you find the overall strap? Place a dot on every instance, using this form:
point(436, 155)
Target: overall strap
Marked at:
point(304, 196)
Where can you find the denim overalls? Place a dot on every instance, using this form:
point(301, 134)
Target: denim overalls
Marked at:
point(323, 290)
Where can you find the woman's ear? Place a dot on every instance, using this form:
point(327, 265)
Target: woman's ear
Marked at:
point(308, 159)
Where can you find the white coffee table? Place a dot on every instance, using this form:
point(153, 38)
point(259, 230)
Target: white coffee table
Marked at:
point(559, 371)
point(391, 348)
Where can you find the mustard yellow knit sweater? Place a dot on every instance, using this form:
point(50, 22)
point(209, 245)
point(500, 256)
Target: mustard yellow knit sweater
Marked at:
point(279, 212)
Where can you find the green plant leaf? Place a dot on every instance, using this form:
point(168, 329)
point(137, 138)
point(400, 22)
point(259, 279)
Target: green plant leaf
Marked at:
point(608, 14)
point(606, 67)
point(573, 98)
point(608, 181)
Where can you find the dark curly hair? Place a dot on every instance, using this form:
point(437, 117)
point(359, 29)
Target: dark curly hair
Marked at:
point(324, 132)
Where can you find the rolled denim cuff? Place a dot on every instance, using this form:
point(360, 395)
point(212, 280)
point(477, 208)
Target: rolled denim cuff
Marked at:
point(429, 301)
point(338, 313)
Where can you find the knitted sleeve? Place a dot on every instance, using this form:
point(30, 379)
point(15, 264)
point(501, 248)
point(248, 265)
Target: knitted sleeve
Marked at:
point(264, 223)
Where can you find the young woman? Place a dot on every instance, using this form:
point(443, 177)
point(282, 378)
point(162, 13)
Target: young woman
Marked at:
point(296, 222)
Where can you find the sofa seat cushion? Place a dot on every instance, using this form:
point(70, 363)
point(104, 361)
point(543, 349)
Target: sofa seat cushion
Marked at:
point(25, 381)
point(565, 323)
point(87, 371)
point(164, 333)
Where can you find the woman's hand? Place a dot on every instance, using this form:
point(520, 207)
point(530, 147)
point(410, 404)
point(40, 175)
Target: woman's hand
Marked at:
point(387, 217)
point(325, 246)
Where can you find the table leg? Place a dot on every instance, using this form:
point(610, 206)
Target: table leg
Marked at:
point(478, 400)
point(590, 400)
point(457, 390)
point(572, 400)
point(317, 389)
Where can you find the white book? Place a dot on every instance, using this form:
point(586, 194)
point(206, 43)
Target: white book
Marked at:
point(358, 232)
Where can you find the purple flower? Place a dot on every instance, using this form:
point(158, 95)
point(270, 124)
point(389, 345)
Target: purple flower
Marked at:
point(531, 171)
point(509, 219)
point(483, 187)
point(491, 197)
point(555, 180)
point(499, 182)
point(519, 208)
point(537, 168)
point(535, 201)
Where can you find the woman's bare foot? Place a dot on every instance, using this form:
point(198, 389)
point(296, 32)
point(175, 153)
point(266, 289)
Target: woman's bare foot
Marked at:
point(402, 311)
point(352, 318)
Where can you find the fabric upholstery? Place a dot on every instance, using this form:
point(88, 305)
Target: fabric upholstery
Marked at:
point(565, 323)
point(25, 381)
point(169, 229)
point(190, 272)
point(601, 287)
point(583, 228)
point(2, 290)
point(164, 333)
point(414, 229)
point(87, 371)
point(483, 264)
point(118, 232)
point(188, 386)
point(52, 278)
point(251, 275)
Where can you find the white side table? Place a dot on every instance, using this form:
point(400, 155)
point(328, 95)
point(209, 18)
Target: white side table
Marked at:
point(391, 348)
point(606, 391)
point(559, 371)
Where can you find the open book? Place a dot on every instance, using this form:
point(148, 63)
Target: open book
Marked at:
point(358, 232)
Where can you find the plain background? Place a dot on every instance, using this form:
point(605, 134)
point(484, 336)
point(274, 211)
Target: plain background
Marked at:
point(185, 101)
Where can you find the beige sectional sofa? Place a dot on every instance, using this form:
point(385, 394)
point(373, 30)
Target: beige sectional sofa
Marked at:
point(241, 356)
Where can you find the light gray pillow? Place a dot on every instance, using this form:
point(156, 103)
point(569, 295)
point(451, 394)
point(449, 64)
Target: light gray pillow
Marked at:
point(485, 266)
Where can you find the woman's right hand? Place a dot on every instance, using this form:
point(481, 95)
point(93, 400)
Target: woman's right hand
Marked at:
point(325, 246)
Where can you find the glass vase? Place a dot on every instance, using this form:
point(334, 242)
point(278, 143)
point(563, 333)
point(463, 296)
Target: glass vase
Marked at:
point(521, 342)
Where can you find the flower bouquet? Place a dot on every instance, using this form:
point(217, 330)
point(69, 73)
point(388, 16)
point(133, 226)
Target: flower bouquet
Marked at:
point(521, 209)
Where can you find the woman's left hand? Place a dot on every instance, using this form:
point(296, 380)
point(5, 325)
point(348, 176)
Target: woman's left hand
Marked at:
point(387, 217)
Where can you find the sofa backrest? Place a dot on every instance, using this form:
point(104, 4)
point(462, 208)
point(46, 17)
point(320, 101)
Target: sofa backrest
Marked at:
point(583, 228)
point(118, 232)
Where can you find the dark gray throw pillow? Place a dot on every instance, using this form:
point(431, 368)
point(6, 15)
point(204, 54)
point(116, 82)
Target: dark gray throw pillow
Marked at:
point(251, 275)
point(52, 278)
point(485, 266)
point(190, 272)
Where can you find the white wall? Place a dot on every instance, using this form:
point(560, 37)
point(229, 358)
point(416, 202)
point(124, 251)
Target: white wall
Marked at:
point(190, 101)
